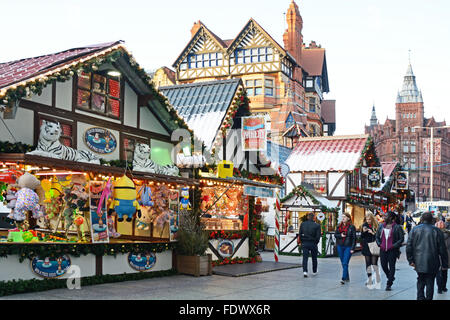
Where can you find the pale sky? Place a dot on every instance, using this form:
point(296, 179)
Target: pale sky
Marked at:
point(366, 41)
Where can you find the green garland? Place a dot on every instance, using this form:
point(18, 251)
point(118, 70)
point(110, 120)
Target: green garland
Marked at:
point(29, 250)
point(17, 147)
point(301, 192)
point(241, 100)
point(273, 179)
point(35, 285)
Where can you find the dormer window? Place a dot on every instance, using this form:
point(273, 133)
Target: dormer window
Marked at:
point(253, 55)
point(99, 93)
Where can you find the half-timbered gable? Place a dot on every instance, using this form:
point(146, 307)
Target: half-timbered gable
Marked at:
point(204, 57)
point(255, 51)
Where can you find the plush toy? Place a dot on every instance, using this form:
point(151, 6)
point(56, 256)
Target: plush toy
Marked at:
point(184, 203)
point(146, 203)
point(10, 198)
point(125, 203)
point(143, 223)
point(27, 199)
point(110, 221)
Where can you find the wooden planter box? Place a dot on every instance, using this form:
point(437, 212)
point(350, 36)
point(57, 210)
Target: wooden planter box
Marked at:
point(195, 265)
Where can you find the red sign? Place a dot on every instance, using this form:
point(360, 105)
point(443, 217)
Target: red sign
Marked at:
point(9, 176)
point(254, 134)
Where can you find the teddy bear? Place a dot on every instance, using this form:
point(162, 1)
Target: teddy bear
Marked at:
point(27, 200)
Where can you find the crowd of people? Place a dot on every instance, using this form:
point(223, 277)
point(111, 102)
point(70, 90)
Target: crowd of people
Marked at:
point(427, 248)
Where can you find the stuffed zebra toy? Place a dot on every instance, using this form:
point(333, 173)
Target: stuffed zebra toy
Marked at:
point(142, 162)
point(50, 146)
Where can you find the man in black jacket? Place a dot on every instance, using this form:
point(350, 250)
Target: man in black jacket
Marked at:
point(426, 253)
point(309, 236)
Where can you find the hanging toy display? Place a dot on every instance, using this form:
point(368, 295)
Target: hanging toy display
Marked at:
point(125, 203)
point(76, 200)
point(146, 204)
point(184, 203)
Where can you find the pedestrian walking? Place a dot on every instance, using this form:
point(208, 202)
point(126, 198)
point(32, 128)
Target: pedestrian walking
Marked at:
point(346, 241)
point(426, 253)
point(390, 238)
point(441, 277)
point(371, 250)
point(309, 236)
point(409, 221)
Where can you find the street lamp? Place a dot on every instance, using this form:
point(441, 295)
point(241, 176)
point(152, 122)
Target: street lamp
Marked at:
point(431, 154)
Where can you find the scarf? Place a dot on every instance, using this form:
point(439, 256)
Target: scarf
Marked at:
point(343, 228)
point(387, 245)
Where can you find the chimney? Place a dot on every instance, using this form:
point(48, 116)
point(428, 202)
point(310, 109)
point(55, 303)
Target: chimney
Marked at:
point(293, 38)
point(195, 27)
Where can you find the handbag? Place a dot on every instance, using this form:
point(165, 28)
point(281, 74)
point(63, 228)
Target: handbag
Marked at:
point(374, 248)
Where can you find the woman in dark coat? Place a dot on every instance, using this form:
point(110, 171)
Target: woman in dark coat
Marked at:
point(346, 241)
point(369, 230)
point(390, 238)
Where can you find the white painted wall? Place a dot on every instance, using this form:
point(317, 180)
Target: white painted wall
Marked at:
point(150, 123)
point(64, 95)
point(22, 127)
point(296, 178)
point(119, 264)
point(333, 178)
point(82, 127)
point(45, 97)
point(130, 107)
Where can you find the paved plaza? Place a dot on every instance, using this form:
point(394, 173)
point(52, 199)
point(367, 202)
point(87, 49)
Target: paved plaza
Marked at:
point(277, 285)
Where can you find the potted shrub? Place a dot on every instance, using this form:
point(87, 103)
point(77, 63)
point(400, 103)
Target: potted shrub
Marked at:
point(192, 245)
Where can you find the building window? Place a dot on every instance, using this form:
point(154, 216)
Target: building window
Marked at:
point(413, 146)
point(268, 87)
point(203, 60)
point(254, 87)
point(393, 149)
point(405, 146)
point(406, 129)
point(309, 83)
point(413, 163)
point(312, 104)
point(128, 145)
point(317, 180)
point(253, 55)
point(99, 93)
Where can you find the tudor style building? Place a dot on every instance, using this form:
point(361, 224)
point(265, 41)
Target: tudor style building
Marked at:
point(286, 84)
point(399, 140)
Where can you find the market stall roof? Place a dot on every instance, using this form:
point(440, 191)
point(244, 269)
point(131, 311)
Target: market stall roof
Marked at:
point(20, 76)
point(203, 105)
point(311, 199)
point(89, 167)
point(336, 153)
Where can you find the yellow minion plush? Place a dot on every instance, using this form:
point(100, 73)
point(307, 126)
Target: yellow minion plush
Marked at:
point(125, 202)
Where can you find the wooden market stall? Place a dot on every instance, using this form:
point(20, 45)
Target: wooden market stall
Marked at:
point(85, 166)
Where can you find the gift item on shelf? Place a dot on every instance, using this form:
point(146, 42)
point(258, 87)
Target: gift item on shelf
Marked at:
point(125, 203)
